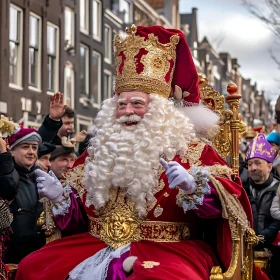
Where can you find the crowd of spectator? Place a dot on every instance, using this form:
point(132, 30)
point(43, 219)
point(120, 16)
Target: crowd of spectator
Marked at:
point(49, 148)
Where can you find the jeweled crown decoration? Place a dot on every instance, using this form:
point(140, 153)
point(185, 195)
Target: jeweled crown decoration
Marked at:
point(144, 65)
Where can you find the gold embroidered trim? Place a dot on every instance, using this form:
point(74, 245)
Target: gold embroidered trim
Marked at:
point(73, 179)
point(150, 264)
point(189, 202)
point(193, 154)
point(166, 194)
point(156, 63)
point(231, 208)
point(160, 171)
point(158, 211)
point(159, 187)
point(145, 230)
point(220, 170)
point(151, 205)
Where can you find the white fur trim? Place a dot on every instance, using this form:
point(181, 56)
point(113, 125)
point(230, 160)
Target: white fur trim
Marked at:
point(202, 118)
point(96, 267)
point(128, 263)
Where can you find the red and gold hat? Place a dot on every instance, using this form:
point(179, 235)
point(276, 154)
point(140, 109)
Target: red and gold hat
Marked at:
point(153, 59)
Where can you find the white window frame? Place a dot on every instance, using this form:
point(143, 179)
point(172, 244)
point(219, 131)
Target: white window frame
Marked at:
point(84, 121)
point(86, 16)
point(128, 13)
point(86, 69)
point(109, 73)
point(69, 66)
point(97, 103)
point(56, 71)
point(18, 85)
point(108, 47)
point(31, 87)
point(29, 124)
point(97, 36)
point(71, 42)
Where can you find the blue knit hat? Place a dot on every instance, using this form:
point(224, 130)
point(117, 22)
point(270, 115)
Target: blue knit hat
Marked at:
point(273, 137)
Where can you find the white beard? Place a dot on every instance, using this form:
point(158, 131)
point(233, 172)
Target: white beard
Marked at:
point(128, 156)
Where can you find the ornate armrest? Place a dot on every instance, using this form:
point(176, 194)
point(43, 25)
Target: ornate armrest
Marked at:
point(52, 232)
point(261, 259)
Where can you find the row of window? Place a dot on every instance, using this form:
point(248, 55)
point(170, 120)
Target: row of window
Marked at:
point(91, 69)
point(34, 62)
point(90, 64)
point(121, 8)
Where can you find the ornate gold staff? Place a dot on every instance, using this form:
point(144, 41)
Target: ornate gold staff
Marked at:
point(233, 101)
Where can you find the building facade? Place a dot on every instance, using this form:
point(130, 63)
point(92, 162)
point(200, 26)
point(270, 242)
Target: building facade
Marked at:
point(67, 46)
point(49, 46)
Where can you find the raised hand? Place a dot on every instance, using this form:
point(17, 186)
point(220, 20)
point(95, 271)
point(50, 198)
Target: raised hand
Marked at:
point(178, 176)
point(57, 106)
point(49, 186)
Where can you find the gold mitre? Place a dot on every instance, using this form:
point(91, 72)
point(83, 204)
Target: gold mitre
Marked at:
point(145, 60)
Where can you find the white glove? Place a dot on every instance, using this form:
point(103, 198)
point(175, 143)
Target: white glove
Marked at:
point(178, 176)
point(49, 186)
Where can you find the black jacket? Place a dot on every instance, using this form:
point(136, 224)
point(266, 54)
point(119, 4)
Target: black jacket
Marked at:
point(261, 197)
point(19, 185)
point(48, 131)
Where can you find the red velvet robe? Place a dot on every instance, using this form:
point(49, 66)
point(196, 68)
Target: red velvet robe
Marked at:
point(188, 259)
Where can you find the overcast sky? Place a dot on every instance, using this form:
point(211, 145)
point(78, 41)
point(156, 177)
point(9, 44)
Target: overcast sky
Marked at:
point(230, 28)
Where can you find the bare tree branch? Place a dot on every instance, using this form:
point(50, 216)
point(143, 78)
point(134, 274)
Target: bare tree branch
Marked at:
point(268, 12)
point(275, 59)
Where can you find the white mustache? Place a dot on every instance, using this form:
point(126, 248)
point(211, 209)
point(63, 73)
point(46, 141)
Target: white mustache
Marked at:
point(131, 118)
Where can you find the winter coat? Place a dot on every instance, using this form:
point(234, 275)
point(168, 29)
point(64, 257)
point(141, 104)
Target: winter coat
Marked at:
point(261, 200)
point(48, 131)
point(18, 185)
point(275, 208)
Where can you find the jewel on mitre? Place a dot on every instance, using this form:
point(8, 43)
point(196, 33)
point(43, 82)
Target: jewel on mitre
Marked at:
point(177, 93)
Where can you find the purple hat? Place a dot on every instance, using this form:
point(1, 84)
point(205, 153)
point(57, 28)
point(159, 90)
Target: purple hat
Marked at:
point(260, 148)
point(24, 135)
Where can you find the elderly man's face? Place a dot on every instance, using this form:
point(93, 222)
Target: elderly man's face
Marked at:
point(132, 103)
point(259, 170)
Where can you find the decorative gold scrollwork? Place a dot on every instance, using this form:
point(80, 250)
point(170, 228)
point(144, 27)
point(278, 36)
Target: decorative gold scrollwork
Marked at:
point(216, 102)
point(120, 223)
point(231, 126)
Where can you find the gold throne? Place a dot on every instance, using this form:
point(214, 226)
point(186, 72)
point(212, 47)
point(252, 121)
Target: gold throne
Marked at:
point(227, 144)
